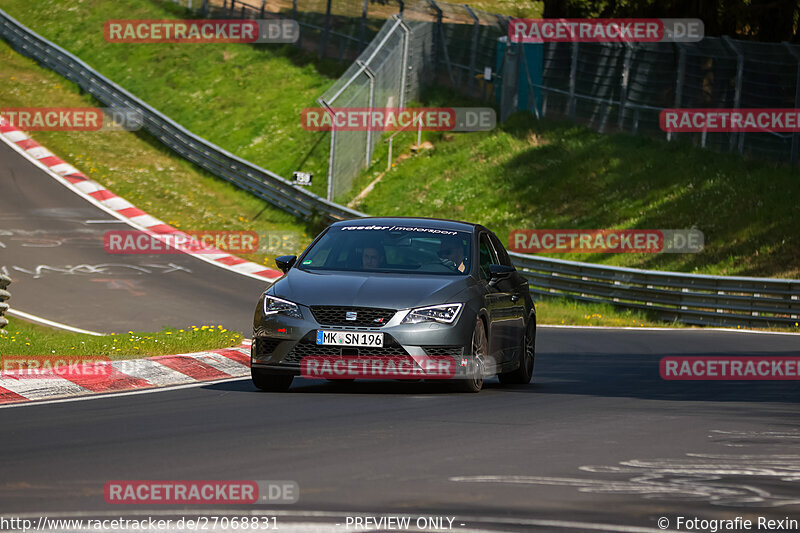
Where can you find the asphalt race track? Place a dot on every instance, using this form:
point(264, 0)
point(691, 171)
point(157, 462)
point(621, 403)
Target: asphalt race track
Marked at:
point(51, 245)
point(598, 439)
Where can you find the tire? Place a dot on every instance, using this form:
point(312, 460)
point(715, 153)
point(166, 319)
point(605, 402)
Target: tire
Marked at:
point(477, 369)
point(271, 382)
point(523, 374)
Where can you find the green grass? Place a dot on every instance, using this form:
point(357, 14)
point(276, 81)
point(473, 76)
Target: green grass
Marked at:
point(523, 175)
point(514, 8)
point(561, 311)
point(529, 174)
point(23, 338)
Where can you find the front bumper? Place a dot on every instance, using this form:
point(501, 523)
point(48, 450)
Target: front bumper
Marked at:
point(281, 342)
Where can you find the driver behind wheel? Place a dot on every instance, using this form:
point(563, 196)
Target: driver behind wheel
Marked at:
point(451, 250)
point(373, 256)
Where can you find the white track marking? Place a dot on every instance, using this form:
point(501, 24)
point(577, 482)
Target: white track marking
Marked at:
point(51, 323)
point(101, 396)
point(151, 371)
point(222, 363)
point(40, 388)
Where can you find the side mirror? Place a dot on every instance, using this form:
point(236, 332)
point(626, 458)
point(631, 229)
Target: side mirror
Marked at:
point(285, 262)
point(498, 272)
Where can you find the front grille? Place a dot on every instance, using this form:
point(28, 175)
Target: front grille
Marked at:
point(305, 348)
point(365, 316)
point(452, 351)
point(264, 346)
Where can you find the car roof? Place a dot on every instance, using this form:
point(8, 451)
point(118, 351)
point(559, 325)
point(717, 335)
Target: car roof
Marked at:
point(434, 223)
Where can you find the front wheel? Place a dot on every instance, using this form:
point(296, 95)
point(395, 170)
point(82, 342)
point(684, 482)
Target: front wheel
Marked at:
point(476, 370)
point(271, 382)
point(524, 373)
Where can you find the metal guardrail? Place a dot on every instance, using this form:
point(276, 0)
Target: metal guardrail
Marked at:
point(692, 298)
point(4, 297)
point(261, 182)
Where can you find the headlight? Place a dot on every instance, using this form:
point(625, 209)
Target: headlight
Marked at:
point(273, 306)
point(445, 314)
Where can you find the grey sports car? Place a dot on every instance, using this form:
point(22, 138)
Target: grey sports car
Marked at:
point(397, 288)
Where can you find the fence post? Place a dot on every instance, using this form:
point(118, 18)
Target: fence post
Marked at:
point(443, 43)
point(679, 81)
point(263, 6)
point(332, 154)
point(623, 87)
point(737, 96)
point(404, 62)
point(573, 71)
point(371, 76)
point(795, 134)
point(474, 49)
point(204, 8)
point(532, 89)
point(323, 42)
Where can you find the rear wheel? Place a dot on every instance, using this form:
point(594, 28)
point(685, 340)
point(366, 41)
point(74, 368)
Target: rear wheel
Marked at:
point(271, 382)
point(477, 363)
point(524, 373)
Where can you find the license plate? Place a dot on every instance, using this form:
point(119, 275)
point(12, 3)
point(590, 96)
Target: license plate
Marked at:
point(349, 338)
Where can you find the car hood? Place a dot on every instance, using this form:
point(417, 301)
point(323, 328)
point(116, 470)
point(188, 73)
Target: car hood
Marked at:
point(393, 291)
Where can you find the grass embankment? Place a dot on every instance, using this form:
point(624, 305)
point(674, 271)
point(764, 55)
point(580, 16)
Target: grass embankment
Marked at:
point(554, 175)
point(522, 175)
point(23, 338)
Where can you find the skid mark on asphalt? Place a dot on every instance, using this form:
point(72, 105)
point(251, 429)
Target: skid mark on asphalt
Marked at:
point(103, 268)
point(719, 479)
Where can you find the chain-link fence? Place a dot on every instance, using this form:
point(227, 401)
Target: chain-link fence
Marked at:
point(624, 87)
point(608, 86)
point(375, 80)
point(397, 48)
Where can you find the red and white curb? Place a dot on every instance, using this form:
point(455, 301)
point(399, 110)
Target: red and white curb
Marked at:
point(119, 207)
point(126, 375)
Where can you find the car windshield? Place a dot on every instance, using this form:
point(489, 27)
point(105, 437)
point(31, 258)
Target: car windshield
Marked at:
point(388, 248)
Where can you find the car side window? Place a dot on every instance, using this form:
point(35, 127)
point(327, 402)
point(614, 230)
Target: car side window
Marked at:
point(487, 256)
point(502, 255)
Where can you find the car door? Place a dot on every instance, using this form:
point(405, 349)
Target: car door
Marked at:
point(498, 304)
point(516, 287)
